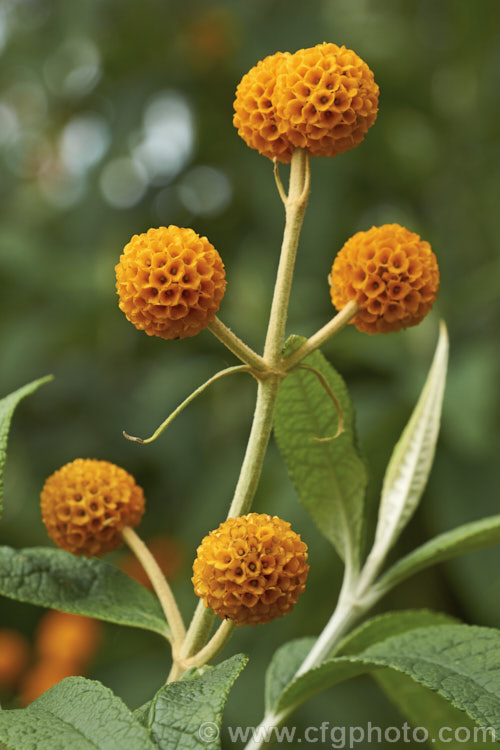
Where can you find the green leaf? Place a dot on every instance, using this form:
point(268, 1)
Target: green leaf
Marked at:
point(76, 713)
point(54, 578)
point(466, 538)
point(459, 662)
point(390, 623)
point(283, 667)
point(418, 704)
point(187, 714)
point(7, 408)
point(329, 673)
point(423, 708)
point(289, 657)
point(411, 461)
point(330, 477)
point(141, 714)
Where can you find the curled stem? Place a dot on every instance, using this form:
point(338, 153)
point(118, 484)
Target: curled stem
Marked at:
point(238, 347)
point(324, 383)
point(186, 402)
point(320, 337)
point(160, 585)
point(277, 179)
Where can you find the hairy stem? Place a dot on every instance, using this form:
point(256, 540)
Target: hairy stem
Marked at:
point(159, 583)
point(320, 337)
point(215, 644)
point(198, 632)
point(260, 433)
point(295, 206)
point(236, 345)
point(268, 386)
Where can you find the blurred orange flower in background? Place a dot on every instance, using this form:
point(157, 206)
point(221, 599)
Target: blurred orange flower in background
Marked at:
point(14, 658)
point(65, 644)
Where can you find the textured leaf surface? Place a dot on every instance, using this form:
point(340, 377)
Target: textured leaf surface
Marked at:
point(459, 662)
point(76, 713)
point(54, 578)
point(284, 664)
point(391, 623)
point(289, 657)
point(411, 461)
point(424, 708)
point(187, 714)
point(467, 538)
point(7, 408)
point(330, 477)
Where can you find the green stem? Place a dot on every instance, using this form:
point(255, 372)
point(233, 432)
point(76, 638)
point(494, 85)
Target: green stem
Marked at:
point(238, 347)
point(260, 433)
point(251, 468)
point(215, 644)
point(268, 386)
point(160, 585)
point(320, 337)
point(295, 206)
point(198, 633)
point(186, 402)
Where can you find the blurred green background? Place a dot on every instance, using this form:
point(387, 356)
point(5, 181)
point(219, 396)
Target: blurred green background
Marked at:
point(117, 116)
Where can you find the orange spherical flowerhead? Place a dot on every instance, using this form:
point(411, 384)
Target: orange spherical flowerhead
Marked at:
point(255, 111)
point(391, 273)
point(69, 638)
point(87, 503)
point(251, 569)
point(170, 282)
point(14, 657)
point(322, 99)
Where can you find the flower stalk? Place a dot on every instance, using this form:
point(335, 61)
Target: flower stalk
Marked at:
point(329, 330)
point(268, 387)
point(160, 585)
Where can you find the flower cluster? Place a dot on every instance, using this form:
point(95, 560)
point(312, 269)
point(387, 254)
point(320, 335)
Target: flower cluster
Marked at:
point(322, 99)
point(391, 273)
point(251, 569)
point(87, 503)
point(170, 282)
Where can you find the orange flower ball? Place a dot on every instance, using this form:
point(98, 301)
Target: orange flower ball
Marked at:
point(391, 273)
point(87, 503)
point(251, 569)
point(255, 111)
point(322, 99)
point(170, 282)
point(62, 636)
point(44, 675)
point(14, 657)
